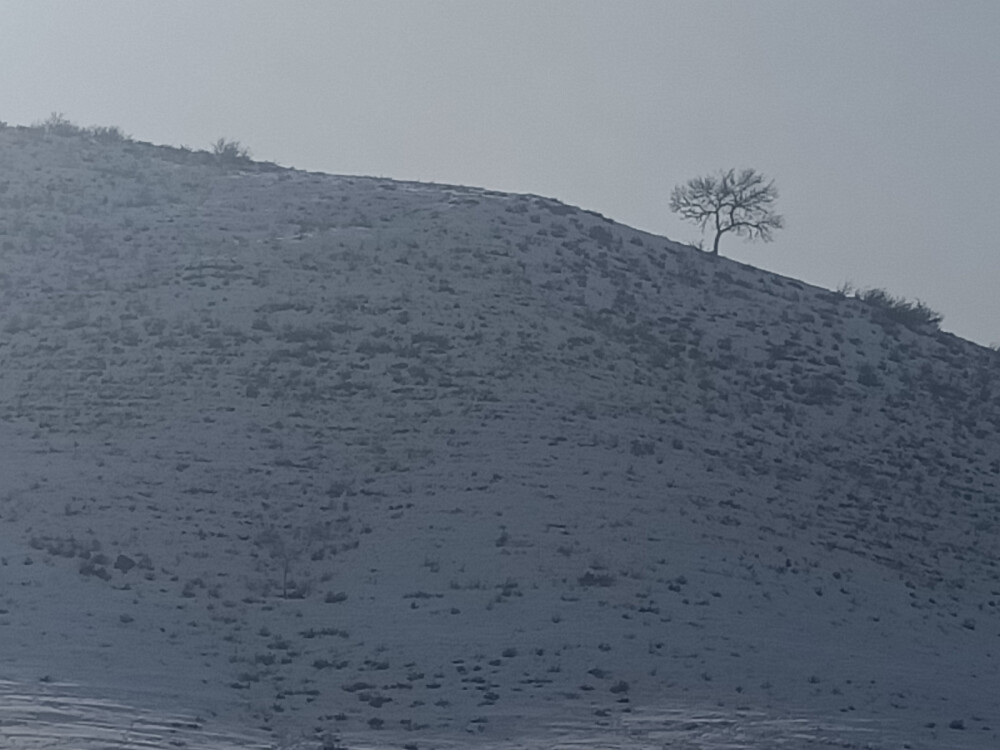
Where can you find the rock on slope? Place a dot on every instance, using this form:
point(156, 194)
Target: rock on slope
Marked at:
point(340, 455)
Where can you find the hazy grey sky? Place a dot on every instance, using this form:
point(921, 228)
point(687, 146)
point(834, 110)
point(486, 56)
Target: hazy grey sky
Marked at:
point(879, 120)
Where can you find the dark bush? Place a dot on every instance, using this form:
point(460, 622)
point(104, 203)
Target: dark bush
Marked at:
point(230, 152)
point(108, 134)
point(900, 310)
point(596, 579)
point(57, 124)
point(868, 375)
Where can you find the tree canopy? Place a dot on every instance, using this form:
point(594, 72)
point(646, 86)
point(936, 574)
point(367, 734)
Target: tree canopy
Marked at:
point(741, 203)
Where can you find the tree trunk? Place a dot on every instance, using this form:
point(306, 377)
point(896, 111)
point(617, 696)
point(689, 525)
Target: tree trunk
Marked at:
point(715, 245)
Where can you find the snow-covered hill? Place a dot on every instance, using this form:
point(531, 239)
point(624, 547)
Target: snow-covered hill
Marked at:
point(350, 462)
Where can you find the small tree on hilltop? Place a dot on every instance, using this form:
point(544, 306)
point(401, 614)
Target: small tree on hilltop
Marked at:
point(741, 203)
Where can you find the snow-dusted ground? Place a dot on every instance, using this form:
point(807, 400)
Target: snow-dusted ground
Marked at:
point(302, 460)
point(64, 716)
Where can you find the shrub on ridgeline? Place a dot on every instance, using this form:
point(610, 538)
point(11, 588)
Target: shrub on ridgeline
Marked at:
point(903, 311)
point(58, 124)
point(108, 134)
point(230, 152)
point(896, 309)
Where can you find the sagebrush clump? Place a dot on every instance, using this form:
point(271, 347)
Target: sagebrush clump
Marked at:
point(896, 309)
point(230, 152)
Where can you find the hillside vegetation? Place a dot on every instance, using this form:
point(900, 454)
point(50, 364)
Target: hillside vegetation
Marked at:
point(334, 456)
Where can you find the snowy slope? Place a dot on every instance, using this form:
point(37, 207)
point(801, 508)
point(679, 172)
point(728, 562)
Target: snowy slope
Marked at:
point(351, 462)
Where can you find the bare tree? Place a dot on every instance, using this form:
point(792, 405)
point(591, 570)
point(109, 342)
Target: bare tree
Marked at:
point(729, 202)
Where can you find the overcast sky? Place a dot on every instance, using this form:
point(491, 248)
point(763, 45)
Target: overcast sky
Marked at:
point(878, 120)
